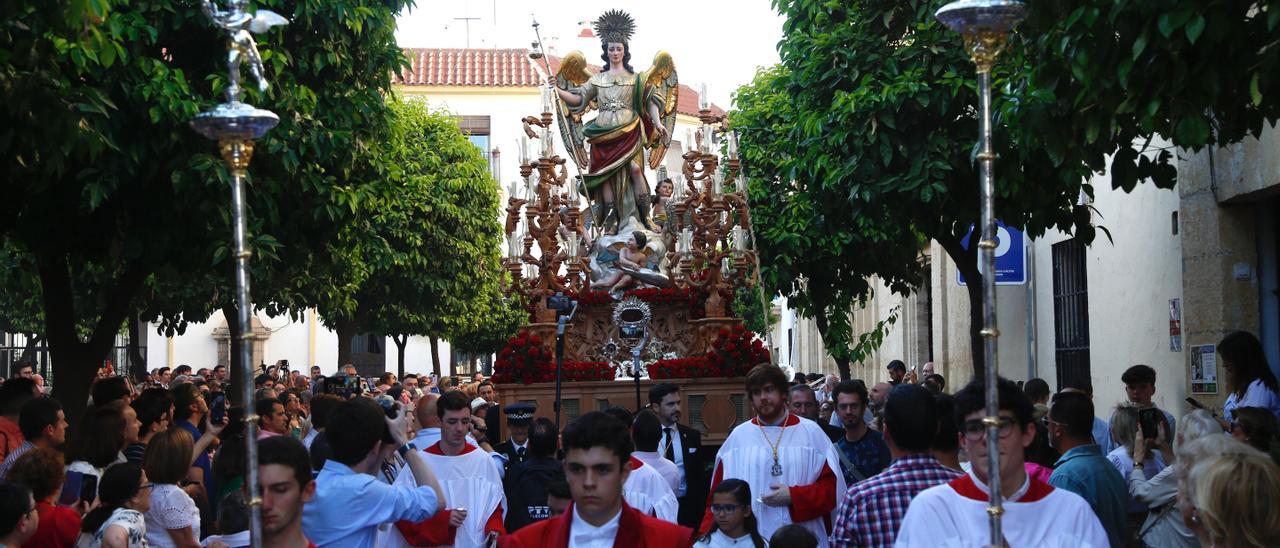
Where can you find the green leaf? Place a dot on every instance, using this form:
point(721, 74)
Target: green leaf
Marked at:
point(1254, 93)
point(1195, 27)
point(1170, 22)
point(1139, 45)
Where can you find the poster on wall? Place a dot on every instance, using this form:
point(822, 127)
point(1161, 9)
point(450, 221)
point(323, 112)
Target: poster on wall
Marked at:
point(1204, 369)
point(1175, 325)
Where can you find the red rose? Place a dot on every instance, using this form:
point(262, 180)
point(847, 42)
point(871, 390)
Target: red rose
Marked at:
point(535, 340)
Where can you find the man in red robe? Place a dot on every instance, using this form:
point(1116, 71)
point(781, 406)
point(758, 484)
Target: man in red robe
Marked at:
point(470, 482)
point(597, 454)
point(789, 462)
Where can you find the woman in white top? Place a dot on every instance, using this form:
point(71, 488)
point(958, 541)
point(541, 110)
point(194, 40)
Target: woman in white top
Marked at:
point(124, 495)
point(1248, 377)
point(734, 525)
point(1164, 525)
point(173, 519)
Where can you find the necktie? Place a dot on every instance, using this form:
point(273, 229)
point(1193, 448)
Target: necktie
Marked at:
point(670, 453)
point(520, 454)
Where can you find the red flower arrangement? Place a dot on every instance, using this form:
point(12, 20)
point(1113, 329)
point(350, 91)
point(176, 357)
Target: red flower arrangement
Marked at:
point(524, 360)
point(733, 352)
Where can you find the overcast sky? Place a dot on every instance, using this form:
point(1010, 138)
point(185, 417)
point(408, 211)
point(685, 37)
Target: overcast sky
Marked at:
point(717, 42)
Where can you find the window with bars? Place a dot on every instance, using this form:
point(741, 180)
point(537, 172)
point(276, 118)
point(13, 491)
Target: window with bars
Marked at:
point(1071, 314)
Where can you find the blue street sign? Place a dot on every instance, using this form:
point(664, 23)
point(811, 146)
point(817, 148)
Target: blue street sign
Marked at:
point(1011, 256)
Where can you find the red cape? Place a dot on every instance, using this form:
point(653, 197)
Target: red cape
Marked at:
point(635, 530)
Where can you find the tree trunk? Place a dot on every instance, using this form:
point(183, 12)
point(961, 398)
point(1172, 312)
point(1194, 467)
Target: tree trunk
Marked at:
point(29, 351)
point(967, 262)
point(820, 321)
point(401, 341)
point(137, 362)
point(78, 361)
point(346, 331)
point(238, 378)
point(435, 355)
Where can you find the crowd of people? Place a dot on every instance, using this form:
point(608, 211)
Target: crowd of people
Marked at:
point(388, 462)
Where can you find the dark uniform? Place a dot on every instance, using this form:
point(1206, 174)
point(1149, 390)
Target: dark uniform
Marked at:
point(518, 414)
point(526, 486)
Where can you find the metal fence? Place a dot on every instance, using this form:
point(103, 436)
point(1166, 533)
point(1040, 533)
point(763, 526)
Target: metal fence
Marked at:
point(14, 345)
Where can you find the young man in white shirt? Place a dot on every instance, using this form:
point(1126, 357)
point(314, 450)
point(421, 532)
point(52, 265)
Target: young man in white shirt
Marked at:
point(597, 452)
point(470, 482)
point(1035, 513)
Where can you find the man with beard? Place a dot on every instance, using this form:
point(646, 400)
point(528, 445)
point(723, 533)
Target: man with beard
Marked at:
point(683, 446)
point(469, 480)
point(789, 463)
point(284, 474)
point(863, 451)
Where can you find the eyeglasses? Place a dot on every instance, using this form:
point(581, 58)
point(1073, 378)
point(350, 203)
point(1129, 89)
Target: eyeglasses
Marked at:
point(724, 508)
point(975, 429)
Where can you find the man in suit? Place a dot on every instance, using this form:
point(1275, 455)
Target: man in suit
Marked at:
point(516, 448)
point(682, 445)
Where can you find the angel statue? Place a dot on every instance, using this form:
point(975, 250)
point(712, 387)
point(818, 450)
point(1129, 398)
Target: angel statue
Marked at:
point(634, 112)
point(241, 46)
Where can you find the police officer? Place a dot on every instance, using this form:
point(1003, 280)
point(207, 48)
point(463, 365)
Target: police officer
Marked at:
point(516, 449)
point(527, 482)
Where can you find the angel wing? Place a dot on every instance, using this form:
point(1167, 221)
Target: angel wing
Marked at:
point(263, 20)
point(573, 72)
point(664, 84)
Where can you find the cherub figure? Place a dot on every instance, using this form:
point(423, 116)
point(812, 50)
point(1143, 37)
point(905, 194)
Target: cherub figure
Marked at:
point(239, 25)
point(632, 256)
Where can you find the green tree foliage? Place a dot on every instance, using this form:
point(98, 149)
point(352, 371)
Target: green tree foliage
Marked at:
point(883, 107)
point(505, 316)
point(122, 207)
point(427, 239)
point(818, 243)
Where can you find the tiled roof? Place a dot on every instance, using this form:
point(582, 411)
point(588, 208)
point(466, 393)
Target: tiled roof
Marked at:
point(497, 68)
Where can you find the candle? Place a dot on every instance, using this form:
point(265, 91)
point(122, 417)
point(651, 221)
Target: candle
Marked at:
point(705, 145)
point(524, 150)
point(689, 142)
point(733, 145)
point(677, 188)
point(739, 239)
point(513, 245)
point(724, 218)
point(573, 245)
point(724, 266)
point(717, 184)
point(548, 147)
point(513, 189)
point(703, 102)
point(546, 99)
point(686, 240)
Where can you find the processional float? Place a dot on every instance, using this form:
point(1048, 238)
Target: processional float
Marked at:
point(651, 259)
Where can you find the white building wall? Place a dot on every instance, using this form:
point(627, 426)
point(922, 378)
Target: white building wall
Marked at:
point(1131, 281)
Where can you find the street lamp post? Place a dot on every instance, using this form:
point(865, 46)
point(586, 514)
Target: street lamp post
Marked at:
point(984, 24)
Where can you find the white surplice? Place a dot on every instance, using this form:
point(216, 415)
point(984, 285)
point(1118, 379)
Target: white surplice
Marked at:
point(469, 481)
point(804, 450)
point(647, 491)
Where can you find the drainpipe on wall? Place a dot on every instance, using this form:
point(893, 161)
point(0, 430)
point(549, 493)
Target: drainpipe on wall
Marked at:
point(1032, 354)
